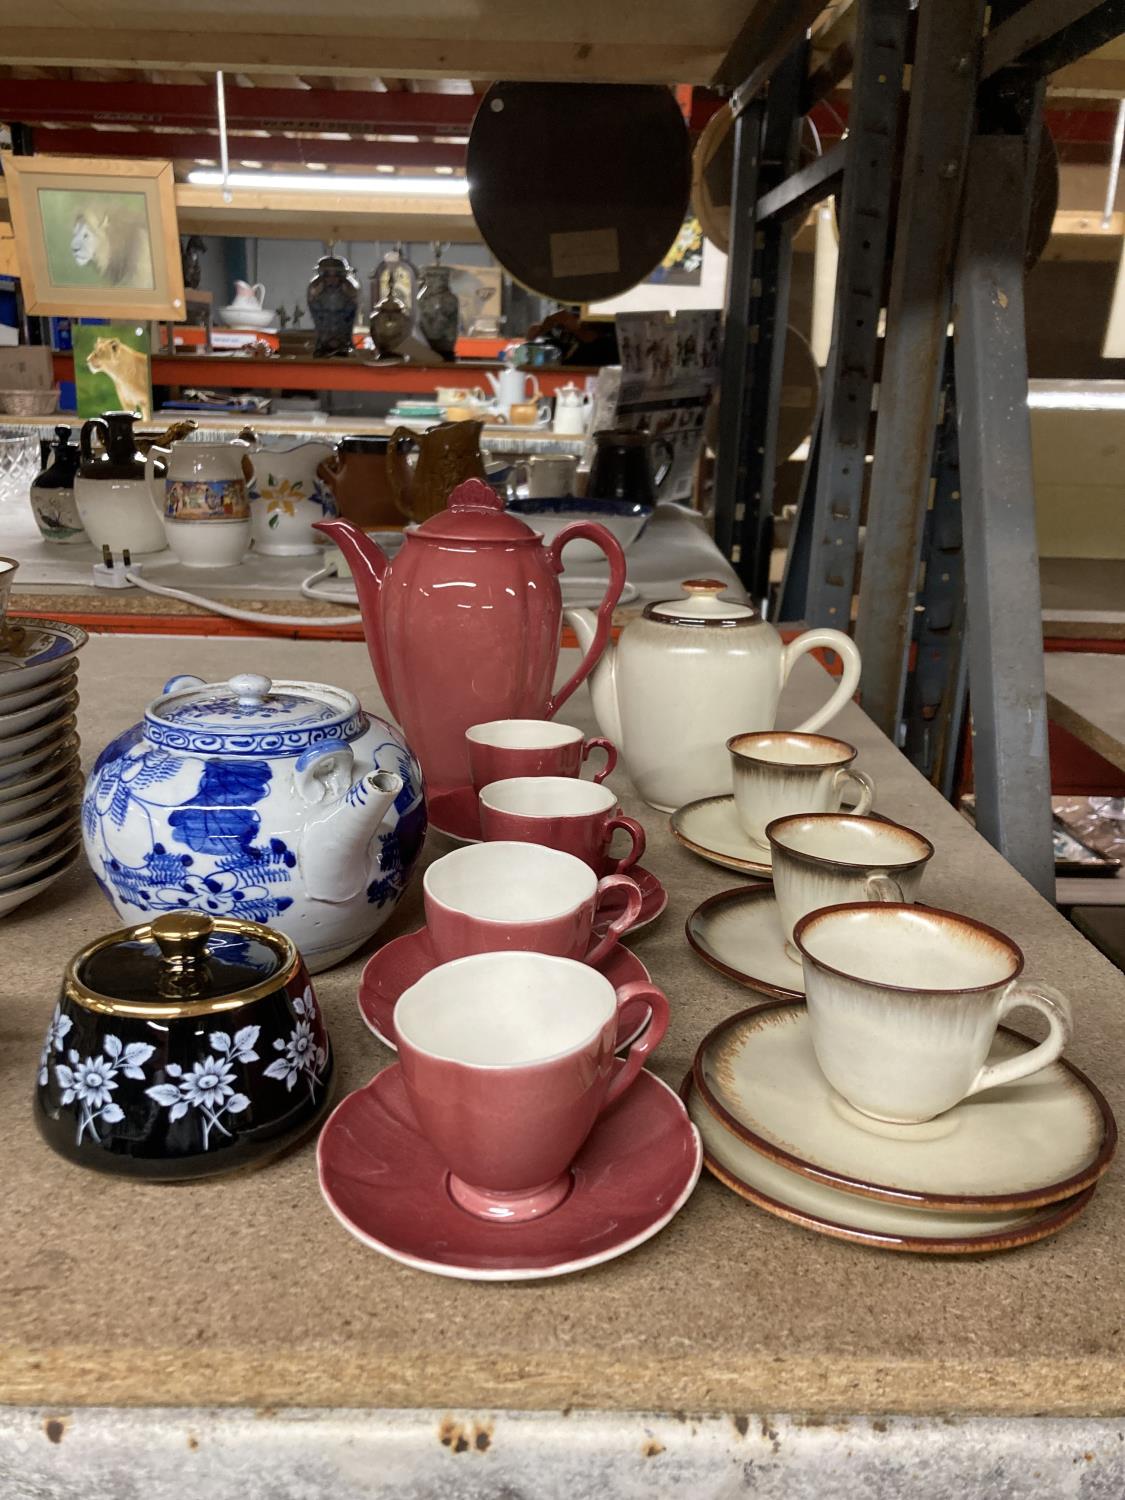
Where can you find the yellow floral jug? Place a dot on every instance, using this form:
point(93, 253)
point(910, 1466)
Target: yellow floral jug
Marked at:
point(288, 497)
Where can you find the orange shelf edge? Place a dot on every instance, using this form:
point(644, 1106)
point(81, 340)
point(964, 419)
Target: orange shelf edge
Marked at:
point(235, 372)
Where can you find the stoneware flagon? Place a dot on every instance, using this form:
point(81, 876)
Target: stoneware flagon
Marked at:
point(463, 626)
point(688, 675)
point(282, 803)
point(184, 1047)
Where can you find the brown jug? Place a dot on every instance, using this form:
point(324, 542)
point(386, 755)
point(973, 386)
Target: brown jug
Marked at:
point(447, 454)
point(360, 484)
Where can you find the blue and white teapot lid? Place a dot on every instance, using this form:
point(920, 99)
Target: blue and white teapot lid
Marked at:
point(250, 715)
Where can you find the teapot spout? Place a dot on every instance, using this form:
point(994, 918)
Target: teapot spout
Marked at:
point(603, 679)
point(369, 564)
point(366, 559)
point(333, 850)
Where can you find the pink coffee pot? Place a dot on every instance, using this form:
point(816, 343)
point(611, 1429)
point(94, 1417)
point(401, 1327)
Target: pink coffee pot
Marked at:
point(463, 627)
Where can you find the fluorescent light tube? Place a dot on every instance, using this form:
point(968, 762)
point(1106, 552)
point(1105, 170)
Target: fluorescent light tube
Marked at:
point(299, 182)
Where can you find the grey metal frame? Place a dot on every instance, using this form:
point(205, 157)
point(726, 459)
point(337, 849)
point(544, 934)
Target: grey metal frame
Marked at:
point(933, 710)
point(1011, 765)
point(830, 510)
point(982, 210)
point(942, 92)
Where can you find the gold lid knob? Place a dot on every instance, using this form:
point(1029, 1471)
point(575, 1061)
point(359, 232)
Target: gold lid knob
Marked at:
point(182, 936)
point(703, 585)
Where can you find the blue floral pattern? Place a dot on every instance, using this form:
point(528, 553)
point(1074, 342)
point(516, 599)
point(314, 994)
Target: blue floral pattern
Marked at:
point(165, 830)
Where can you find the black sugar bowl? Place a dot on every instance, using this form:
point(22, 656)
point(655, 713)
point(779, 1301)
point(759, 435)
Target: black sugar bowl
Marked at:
point(185, 1047)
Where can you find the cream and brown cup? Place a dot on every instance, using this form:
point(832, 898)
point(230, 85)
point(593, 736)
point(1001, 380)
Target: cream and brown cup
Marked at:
point(776, 773)
point(904, 1002)
point(826, 859)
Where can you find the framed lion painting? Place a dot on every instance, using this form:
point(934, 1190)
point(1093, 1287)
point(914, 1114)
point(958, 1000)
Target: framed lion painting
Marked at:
point(94, 237)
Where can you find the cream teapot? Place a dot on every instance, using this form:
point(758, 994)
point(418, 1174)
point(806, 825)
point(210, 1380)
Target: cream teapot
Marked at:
point(687, 675)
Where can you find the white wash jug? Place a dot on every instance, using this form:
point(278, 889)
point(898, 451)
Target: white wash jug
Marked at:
point(688, 674)
point(512, 386)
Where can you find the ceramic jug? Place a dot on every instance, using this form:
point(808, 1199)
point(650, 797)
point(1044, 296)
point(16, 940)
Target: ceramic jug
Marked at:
point(206, 501)
point(288, 497)
point(52, 491)
point(572, 409)
point(511, 387)
point(689, 674)
point(120, 504)
point(463, 625)
point(356, 474)
point(248, 296)
point(447, 454)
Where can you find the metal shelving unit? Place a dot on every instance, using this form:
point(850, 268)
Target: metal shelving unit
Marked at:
point(935, 189)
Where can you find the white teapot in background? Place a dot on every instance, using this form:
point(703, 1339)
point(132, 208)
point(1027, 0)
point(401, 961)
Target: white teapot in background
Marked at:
point(687, 675)
point(572, 409)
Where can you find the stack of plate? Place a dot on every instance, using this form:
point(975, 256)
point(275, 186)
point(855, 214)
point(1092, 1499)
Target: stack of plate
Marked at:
point(1004, 1168)
point(40, 780)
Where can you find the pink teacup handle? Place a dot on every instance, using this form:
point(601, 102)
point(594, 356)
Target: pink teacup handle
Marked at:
point(610, 756)
point(635, 832)
point(628, 918)
point(647, 1042)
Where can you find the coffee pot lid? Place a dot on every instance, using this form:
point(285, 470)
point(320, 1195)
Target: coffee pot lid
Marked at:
point(181, 959)
point(702, 606)
point(476, 514)
point(251, 716)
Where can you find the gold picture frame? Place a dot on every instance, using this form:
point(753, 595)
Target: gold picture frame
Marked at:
point(96, 236)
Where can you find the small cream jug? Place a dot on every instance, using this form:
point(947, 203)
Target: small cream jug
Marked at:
point(689, 674)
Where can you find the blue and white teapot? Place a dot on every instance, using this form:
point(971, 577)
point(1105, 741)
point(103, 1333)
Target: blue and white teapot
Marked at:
point(277, 802)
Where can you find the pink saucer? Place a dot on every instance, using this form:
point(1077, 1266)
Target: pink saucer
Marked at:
point(383, 1181)
point(654, 898)
point(402, 962)
point(456, 814)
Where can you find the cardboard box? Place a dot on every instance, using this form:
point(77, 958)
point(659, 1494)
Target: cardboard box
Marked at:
point(26, 368)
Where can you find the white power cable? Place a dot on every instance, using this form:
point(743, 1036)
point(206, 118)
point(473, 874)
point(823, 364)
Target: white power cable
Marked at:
point(251, 616)
point(309, 589)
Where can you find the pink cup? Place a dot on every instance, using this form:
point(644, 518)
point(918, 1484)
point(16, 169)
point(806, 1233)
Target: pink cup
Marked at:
point(531, 747)
point(508, 1061)
point(486, 898)
point(561, 812)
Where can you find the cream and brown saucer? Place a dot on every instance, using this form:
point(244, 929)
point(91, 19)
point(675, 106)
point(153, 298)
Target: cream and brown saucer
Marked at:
point(710, 828)
point(865, 1221)
point(1010, 1150)
point(739, 933)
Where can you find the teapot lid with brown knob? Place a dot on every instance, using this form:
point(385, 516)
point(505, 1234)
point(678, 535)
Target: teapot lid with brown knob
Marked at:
point(476, 513)
point(182, 962)
point(702, 605)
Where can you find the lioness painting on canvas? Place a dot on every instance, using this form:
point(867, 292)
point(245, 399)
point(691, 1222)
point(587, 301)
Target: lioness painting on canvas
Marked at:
point(128, 369)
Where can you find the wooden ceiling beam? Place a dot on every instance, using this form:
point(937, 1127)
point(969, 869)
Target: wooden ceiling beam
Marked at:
point(193, 105)
point(290, 150)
